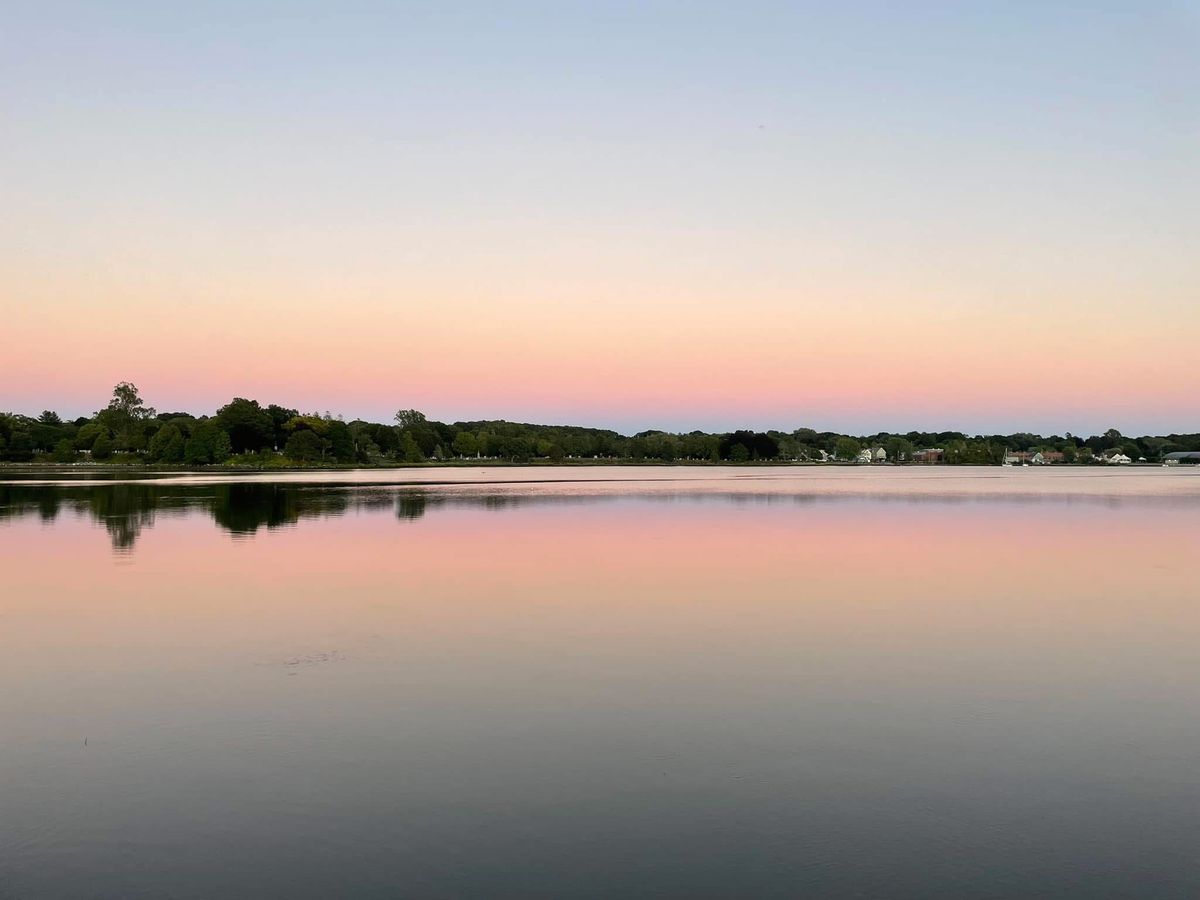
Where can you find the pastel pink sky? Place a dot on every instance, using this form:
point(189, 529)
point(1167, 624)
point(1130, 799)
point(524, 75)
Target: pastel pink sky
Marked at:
point(860, 221)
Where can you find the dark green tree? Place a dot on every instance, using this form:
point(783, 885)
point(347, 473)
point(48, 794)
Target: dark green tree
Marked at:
point(898, 449)
point(125, 417)
point(410, 418)
point(280, 416)
point(409, 450)
point(102, 447)
point(466, 444)
point(305, 445)
point(20, 446)
point(64, 451)
point(249, 426)
point(87, 434)
point(757, 445)
point(208, 444)
point(847, 448)
point(167, 445)
point(341, 441)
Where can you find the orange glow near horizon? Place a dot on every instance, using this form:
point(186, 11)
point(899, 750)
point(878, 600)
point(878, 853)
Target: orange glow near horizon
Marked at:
point(679, 365)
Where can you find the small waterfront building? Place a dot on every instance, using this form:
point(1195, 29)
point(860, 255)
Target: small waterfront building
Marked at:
point(1033, 457)
point(1182, 457)
point(1118, 459)
point(864, 457)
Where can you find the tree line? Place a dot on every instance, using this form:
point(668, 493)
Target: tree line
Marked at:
point(244, 432)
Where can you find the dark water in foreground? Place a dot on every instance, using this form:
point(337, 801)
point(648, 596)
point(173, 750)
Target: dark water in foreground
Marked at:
point(733, 683)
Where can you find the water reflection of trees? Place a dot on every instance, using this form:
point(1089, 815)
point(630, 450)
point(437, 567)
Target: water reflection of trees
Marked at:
point(245, 508)
point(125, 510)
point(410, 504)
point(242, 508)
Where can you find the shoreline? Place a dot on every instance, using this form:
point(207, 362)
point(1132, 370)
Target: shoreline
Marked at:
point(540, 464)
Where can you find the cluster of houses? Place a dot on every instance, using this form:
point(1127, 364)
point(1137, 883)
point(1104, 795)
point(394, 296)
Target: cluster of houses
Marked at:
point(876, 455)
point(871, 455)
point(1032, 457)
point(1049, 457)
point(934, 455)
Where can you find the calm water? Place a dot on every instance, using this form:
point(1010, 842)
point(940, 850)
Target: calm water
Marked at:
point(626, 683)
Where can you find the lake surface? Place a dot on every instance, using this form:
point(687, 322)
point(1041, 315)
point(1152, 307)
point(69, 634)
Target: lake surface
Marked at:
point(633, 682)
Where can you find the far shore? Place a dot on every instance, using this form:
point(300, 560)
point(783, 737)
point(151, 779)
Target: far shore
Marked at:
point(139, 466)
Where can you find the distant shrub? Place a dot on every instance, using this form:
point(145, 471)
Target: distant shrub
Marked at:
point(102, 447)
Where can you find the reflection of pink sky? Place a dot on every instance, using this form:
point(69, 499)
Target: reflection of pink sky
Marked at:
point(637, 572)
point(464, 623)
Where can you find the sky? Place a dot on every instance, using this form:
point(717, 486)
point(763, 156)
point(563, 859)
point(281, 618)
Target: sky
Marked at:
point(850, 216)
